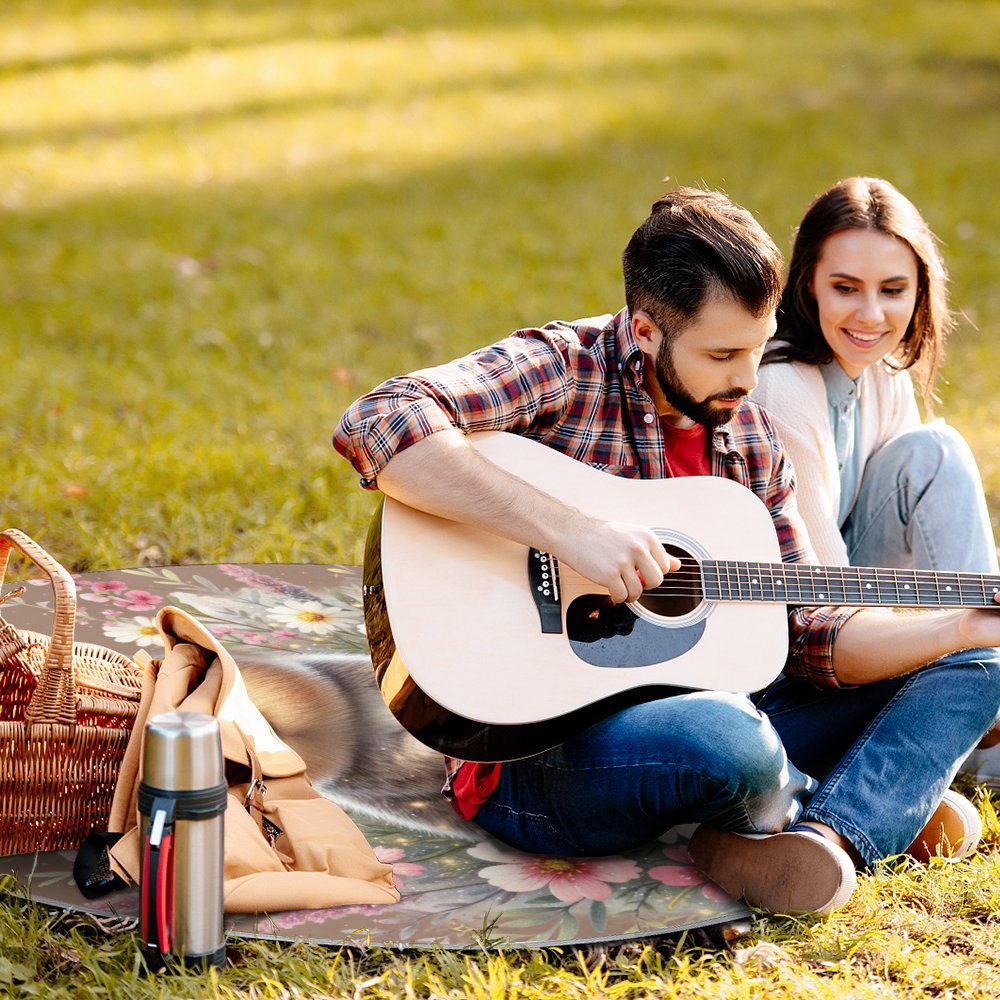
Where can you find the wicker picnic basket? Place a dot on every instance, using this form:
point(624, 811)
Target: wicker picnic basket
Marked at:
point(66, 711)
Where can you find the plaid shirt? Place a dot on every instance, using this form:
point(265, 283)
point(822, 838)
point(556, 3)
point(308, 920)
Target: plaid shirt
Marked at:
point(577, 387)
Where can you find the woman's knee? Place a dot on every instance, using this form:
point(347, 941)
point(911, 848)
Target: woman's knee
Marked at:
point(927, 452)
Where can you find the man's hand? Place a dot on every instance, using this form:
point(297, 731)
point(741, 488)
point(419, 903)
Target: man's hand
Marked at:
point(624, 558)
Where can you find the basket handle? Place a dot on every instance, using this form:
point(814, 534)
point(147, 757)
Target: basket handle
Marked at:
point(54, 700)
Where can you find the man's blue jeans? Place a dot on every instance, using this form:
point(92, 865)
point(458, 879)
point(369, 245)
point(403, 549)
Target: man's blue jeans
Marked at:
point(872, 762)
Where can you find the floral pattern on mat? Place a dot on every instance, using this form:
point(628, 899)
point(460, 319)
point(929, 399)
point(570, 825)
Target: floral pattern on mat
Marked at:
point(458, 887)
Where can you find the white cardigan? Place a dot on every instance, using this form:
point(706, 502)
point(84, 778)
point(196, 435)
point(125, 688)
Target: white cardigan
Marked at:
point(794, 395)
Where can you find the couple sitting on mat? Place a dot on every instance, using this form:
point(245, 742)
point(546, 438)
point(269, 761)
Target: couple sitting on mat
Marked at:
point(846, 759)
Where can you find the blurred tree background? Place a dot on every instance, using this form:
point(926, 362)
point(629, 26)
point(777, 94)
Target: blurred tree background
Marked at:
point(222, 221)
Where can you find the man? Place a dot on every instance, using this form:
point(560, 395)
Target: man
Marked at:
point(852, 749)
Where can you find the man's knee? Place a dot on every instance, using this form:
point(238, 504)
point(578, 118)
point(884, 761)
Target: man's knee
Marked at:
point(967, 683)
point(740, 739)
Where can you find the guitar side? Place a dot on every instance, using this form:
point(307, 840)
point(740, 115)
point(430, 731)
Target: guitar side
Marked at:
point(483, 681)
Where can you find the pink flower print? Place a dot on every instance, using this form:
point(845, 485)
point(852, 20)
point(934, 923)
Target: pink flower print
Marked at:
point(393, 856)
point(568, 879)
point(683, 873)
point(296, 918)
point(102, 591)
point(138, 600)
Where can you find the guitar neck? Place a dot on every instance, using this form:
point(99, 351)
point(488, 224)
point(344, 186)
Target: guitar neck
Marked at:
point(801, 583)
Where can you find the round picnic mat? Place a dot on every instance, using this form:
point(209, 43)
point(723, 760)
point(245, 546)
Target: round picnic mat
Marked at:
point(297, 633)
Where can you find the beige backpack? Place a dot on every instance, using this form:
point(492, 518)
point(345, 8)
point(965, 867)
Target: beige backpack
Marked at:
point(286, 846)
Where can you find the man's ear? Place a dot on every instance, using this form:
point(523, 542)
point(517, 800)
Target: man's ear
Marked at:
point(646, 333)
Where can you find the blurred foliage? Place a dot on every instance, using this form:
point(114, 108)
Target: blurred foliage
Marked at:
point(223, 221)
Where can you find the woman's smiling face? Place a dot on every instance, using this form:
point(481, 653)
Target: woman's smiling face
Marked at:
point(865, 285)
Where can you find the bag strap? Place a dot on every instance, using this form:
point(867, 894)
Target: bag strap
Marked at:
point(253, 802)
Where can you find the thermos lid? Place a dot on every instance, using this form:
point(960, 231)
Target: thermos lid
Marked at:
point(182, 752)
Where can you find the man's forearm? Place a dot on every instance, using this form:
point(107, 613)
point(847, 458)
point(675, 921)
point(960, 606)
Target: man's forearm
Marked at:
point(444, 475)
point(878, 643)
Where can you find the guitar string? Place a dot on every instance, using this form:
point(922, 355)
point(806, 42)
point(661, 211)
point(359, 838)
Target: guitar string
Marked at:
point(688, 581)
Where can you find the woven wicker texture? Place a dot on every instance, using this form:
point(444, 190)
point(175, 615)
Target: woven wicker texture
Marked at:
point(66, 711)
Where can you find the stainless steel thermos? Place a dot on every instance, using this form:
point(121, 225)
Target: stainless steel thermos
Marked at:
point(182, 801)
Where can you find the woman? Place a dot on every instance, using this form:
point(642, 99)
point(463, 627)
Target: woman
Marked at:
point(865, 304)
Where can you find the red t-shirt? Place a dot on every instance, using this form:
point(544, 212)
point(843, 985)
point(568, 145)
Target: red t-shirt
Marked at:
point(686, 455)
point(686, 450)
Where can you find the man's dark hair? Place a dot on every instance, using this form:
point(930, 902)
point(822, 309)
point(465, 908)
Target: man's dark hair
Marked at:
point(694, 244)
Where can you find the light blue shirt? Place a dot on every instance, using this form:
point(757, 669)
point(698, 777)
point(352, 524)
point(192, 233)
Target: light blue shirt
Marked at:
point(842, 402)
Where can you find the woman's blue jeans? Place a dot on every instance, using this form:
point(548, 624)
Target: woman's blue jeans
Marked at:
point(872, 762)
point(920, 505)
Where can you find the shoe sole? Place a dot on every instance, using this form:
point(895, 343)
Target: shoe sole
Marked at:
point(781, 872)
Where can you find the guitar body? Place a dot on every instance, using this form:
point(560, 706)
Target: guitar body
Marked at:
point(476, 663)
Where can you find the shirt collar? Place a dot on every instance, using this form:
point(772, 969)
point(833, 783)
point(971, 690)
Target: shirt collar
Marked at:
point(632, 360)
point(840, 387)
point(630, 356)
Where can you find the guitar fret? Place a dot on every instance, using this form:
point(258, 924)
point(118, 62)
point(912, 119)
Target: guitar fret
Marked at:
point(771, 595)
point(707, 568)
point(765, 590)
point(798, 597)
point(867, 586)
point(807, 584)
point(909, 592)
point(949, 589)
point(851, 584)
point(830, 594)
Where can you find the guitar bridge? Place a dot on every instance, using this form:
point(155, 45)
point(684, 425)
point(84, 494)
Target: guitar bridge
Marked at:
point(543, 577)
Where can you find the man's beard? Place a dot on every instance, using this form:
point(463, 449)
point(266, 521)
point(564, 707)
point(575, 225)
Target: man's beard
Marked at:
point(680, 399)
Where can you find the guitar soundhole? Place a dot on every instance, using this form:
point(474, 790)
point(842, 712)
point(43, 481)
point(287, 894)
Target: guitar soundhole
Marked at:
point(680, 593)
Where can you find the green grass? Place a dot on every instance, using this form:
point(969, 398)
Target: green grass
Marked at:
point(911, 932)
point(221, 221)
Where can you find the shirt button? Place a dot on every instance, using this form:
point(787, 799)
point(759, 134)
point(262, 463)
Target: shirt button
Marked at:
point(648, 418)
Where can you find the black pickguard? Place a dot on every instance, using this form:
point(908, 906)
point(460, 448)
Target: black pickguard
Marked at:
point(613, 635)
point(455, 735)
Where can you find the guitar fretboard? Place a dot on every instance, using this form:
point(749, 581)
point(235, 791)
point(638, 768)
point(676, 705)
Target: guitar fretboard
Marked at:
point(800, 583)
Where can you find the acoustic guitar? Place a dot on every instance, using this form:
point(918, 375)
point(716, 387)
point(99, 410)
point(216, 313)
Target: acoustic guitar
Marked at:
point(489, 650)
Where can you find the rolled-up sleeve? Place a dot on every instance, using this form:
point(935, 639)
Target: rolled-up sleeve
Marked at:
point(515, 384)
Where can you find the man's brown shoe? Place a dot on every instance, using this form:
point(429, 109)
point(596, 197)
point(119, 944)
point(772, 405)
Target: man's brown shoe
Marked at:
point(953, 831)
point(790, 872)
